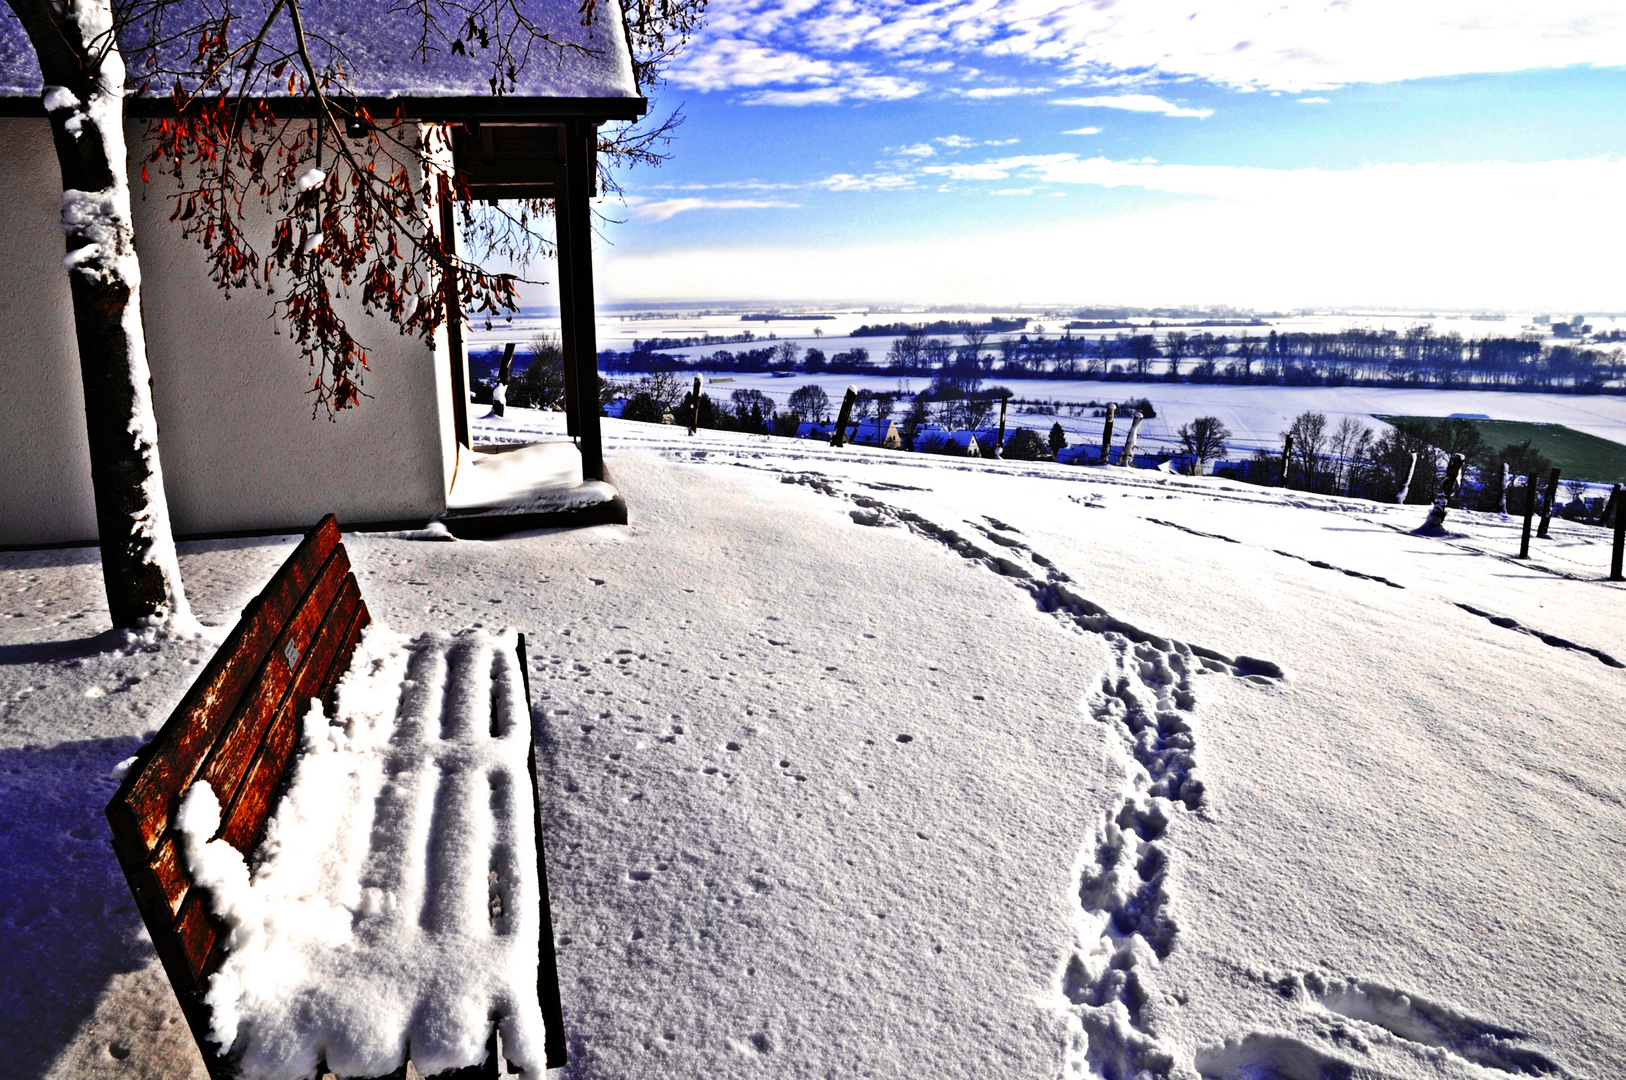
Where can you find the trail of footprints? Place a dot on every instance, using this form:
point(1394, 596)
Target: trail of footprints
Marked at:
point(1124, 923)
point(1361, 1018)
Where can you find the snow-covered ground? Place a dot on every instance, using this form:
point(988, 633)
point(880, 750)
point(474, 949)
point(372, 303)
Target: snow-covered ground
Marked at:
point(859, 763)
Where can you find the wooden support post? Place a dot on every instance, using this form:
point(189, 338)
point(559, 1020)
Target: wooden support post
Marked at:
point(1106, 435)
point(999, 451)
point(505, 372)
point(1615, 558)
point(694, 406)
point(1507, 478)
point(1529, 515)
point(840, 436)
point(454, 321)
point(1552, 501)
point(1287, 456)
point(567, 322)
point(1609, 506)
point(1127, 458)
point(575, 243)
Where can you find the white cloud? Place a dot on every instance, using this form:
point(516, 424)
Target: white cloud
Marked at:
point(721, 185)
point(733, 63)
point(1315, 101)
point(1083, 131)
point(867, 182)
point(960, 142)
point(730, 62)
point(1000, 169)
point(1287, 45)
point(1142, 103)
point(1467, 235)
point(851, 88)
point(982, 93)
point(665, 209)
point(919, 150)
point(1012, 191)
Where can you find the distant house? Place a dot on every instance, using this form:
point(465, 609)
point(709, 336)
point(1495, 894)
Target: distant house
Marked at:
point(876, 433)
point(241, 451)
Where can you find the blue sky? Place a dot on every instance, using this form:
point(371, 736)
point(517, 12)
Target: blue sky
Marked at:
point(1256, 154)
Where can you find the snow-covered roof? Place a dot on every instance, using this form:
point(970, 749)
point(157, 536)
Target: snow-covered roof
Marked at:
point(376, 43)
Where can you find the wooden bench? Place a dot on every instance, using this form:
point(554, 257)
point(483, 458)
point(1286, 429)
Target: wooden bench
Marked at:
point(237, 728)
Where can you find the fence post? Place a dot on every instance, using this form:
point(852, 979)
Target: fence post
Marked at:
point(1127, 459)
point(1506, 477)
point(694, 409)
point(999, 451)
point(1106, 435)
point(1552, 501)
point(1529, 515)
point(840, 436)
point(505, 372)
point(1405, 489)
point(1287, 456)
point(1609, 506)
point(1620, 545)
point(1448, 490)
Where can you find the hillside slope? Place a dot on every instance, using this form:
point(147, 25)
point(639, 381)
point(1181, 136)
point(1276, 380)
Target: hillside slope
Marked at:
point(863, 763)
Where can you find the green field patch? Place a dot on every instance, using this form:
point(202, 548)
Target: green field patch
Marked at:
point(1580, 455)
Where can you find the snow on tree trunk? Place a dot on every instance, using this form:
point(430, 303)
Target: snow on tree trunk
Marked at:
point(84, 98)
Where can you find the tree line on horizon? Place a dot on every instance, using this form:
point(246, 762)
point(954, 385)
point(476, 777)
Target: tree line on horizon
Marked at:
point(1417, 357)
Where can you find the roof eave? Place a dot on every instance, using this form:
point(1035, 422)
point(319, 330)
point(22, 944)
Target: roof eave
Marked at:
point(433, 109)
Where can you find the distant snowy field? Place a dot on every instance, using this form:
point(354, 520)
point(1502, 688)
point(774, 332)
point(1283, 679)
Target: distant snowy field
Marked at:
point(619, 329)
point(859, 763)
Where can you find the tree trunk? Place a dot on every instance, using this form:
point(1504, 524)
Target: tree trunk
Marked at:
point(84, 98)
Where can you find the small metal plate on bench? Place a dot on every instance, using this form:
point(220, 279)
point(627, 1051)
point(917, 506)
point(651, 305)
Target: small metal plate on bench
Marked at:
point(290, 652)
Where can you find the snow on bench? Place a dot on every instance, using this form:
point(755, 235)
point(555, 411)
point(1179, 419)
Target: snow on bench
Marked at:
point(331, 842)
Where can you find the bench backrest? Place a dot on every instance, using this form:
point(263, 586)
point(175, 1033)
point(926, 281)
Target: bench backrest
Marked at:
point(236, 728)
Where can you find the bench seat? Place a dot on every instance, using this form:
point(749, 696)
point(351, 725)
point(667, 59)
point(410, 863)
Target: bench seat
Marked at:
point(408, 825)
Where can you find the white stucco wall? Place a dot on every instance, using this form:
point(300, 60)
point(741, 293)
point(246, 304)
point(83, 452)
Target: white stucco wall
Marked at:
point(239, 446)
point(44, 462)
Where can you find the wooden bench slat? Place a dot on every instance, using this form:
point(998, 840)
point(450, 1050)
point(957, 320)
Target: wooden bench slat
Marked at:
point(244, 820)
point(192, 942)
point(201, 944)
point(161, 885)
point(228, 762)
point(341, 661)
point(140, 811)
